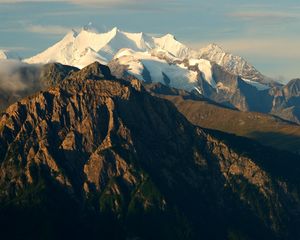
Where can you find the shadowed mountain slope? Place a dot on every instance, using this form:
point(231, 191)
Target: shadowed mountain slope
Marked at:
point(267, 129)
point(98, 158)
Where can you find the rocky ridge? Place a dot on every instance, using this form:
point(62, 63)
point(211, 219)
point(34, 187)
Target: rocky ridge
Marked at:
point(103, 154)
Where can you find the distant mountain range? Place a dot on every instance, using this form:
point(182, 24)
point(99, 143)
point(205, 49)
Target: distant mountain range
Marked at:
point(87, 46)
point(212, 72)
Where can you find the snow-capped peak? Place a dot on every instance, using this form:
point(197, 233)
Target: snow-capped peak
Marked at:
point(6, 55)
point(88, 45)
point(72, 48)
point(89, 28)
point(169, 43)
point(2, 55)
point(113, 31)
point(233, 64)
point(169, 36)
point(210, 50)
point(212, 47)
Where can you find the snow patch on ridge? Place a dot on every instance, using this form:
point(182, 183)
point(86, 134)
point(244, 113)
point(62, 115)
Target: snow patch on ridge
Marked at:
point(180, 76)
point(170, 44)
point(6, 55)
point(3, 56)
point(257, 85)
point(205, 67)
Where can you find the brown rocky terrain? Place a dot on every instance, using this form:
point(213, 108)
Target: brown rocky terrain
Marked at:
point(267, 129)
point(98, 157)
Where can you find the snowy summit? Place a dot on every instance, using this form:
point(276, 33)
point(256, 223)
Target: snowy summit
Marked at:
point(163, 58)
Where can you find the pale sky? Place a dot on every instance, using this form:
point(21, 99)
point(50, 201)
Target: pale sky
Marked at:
point(264, 32)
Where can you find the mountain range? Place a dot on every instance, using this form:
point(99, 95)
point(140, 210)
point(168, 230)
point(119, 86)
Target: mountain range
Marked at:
point(82, 48)
point(127, 136)
point(211, 71)
point(95, 156)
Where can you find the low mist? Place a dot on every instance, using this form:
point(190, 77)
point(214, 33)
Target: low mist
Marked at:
point(18, 80)
point(16, 76)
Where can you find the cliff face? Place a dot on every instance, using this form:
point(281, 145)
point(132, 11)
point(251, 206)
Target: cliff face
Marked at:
point(233, 64)
point(99, 157)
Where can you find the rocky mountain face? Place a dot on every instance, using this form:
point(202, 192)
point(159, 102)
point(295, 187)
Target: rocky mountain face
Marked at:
point(286, 103)
point(246, 95)
point(99, 157)
point(214, 82)
point(233, 64)
point(234, 91)
point(210, 79)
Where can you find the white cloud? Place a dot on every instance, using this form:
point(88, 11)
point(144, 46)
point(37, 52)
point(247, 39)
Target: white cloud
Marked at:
point(272, 47)
point(97, 3)
point(47, 29)
point(83, 2)
point(14, 49)
point(132, 5)
point(13, 79)
point(23, 26)
point(264, 15)
point(94, 5)
point(260, 47)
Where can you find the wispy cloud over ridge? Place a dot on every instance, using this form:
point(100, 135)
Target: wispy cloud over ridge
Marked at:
point(129, 5)
point(85, 2)
point(47, 29)
point(13, 79)
point(256, 15)
point(54, 30)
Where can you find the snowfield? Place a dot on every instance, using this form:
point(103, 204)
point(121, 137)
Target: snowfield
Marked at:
point(156, 59)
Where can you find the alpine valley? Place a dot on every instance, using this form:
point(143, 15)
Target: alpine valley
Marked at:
point(123, 135)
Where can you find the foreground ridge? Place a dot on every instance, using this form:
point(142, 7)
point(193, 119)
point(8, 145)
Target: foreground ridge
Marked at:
point(97, 156)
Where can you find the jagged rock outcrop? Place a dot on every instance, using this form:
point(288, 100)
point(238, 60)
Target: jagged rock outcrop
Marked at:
point(100, 158)
point(235, 65)
point(54, 73)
